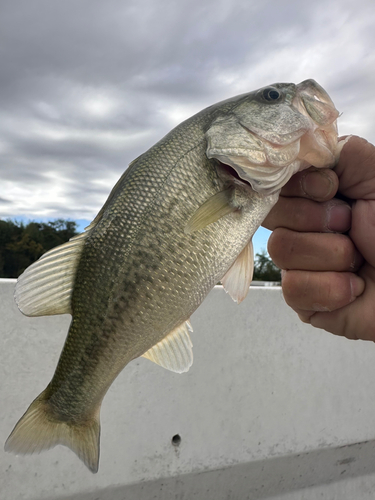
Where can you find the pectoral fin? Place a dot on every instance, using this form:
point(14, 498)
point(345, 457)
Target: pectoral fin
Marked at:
point(174, 352)
point(237, 280)
point(211, 211)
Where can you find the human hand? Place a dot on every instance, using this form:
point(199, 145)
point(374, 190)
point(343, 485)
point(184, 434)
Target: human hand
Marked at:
point(330, 276)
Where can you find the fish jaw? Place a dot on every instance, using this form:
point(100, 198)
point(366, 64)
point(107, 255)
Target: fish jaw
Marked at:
point(319, 146)
point(276, 132)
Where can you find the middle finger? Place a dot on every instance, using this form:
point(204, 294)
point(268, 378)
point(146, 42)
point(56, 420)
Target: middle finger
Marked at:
point(313, 251)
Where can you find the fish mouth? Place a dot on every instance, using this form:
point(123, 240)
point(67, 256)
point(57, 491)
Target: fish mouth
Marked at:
point(319, 146)
point(316, 103)
point(228, 173)
point(267, 142)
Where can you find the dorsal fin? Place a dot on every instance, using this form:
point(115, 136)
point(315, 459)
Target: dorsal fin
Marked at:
point(237, 279)
point(174, 352)
point(45, 287)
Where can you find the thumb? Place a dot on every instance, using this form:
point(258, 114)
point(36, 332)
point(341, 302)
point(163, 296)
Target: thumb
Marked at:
point(356, 169)
point(357, 319)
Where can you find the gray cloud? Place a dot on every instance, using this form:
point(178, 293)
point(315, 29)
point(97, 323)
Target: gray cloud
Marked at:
point(87, 86)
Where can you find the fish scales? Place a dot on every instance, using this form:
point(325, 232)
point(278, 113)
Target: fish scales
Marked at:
point(180, 219)
point(157, 262)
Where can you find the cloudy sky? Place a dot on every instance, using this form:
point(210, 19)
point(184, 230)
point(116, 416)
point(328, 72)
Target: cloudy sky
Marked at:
point(88, 85)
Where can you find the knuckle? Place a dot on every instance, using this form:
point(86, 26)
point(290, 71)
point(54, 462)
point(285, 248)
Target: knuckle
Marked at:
point(343, 251)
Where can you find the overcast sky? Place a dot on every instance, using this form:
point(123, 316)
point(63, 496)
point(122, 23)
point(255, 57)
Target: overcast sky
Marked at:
point(88, 85)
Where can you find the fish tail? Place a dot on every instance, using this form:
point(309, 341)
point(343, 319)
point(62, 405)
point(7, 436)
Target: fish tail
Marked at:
point(38, 429)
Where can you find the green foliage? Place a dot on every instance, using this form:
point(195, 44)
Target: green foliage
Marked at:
point(265, 269)
point(21, 245)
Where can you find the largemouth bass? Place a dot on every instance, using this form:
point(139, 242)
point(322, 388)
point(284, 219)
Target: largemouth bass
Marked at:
point(179, 220)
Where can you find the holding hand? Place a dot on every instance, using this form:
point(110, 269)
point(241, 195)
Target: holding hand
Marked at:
point(330, 276)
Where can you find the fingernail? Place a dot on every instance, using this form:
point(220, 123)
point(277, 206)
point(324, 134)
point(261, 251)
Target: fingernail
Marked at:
point(339, 217)
point(357, 286)
point(317, 184)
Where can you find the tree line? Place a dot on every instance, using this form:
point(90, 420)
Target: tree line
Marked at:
point(265, 269)
point(22, 244)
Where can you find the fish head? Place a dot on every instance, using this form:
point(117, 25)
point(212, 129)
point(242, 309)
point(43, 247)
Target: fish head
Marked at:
point(268, 135)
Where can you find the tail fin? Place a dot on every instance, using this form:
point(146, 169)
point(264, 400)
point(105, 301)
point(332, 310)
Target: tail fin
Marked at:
point(38, 429)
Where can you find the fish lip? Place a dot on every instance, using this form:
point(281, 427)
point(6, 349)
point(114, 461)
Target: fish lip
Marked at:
point(313, 101)
point(319, 147)
point(312, 88)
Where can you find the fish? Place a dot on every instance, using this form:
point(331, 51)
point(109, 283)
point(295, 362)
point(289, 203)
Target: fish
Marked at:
point(179, 220)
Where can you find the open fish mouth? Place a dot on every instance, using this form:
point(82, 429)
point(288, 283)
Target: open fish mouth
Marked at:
point(284, 129)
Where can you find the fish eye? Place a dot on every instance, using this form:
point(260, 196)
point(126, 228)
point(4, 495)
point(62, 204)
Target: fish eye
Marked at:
point(271, 94)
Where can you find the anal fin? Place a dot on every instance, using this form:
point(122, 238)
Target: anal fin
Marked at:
point(237, 279)
point(174, 352)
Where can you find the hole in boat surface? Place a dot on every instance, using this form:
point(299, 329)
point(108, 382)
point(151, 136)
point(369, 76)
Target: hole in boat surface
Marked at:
point(176, 440)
